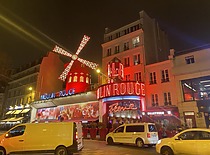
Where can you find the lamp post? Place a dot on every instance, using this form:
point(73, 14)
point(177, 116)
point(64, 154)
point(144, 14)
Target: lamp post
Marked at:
point(30, 89)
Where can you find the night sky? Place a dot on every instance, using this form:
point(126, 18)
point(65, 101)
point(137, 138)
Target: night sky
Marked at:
point(31, 28)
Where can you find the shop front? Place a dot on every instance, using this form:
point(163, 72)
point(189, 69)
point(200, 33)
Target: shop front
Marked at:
point(78, 107)
point(166, 116)
point(204, 111)
point(121, 102)
point(15, 115)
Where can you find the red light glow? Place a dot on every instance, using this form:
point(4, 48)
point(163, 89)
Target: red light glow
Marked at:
point(121, 89)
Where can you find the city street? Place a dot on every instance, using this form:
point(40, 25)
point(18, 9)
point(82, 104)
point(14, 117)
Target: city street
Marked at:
point(95, 147)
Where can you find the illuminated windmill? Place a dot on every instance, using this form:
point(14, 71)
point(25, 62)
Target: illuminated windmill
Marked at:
point(74, 57)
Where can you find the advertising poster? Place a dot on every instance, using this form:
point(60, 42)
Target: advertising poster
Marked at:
point(81, 111)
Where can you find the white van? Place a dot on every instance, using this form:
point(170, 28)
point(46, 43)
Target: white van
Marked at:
point(139, 134)
point(62, 138)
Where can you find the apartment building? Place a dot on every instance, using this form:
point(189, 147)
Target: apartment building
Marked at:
point(28, 82)
point(192, 77)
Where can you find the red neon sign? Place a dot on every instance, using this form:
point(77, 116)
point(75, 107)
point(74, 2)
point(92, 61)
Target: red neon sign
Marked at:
point(117, 108)
point(115, 69)
point(121, 89)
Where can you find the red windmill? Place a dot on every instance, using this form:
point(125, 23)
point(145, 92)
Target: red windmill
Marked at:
point(71, 82)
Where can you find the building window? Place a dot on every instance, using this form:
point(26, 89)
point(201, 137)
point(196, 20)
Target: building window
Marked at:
point(190, 59)
point(126, 46)
point(126, 62)
point(196, 89)
point(87, 80)
point(110, 38)
point(21, 100)
point(126, 31)
point(135, 41)
point(70, 78)
point(75, 79)
point(117, 49)
point(109, 52)
point(118, 35)
point(134, 28)
point(136, 59)
point(81, 79)
point(167, 98)
point(28, 100)
point(165, 77)
point(137, 76)
point(127, 77)
point(154, 100)
point(153, 78)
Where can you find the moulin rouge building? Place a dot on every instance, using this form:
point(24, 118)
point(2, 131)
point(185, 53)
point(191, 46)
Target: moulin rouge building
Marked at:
point(137, 81)
point(120, 101)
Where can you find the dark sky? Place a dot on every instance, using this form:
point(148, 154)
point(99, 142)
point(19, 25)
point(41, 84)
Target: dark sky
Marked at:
point(31, 28)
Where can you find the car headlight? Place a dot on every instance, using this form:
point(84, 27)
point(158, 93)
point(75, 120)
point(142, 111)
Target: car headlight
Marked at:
point(159, 141)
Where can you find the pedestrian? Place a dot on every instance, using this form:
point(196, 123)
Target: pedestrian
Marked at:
point(164, 134)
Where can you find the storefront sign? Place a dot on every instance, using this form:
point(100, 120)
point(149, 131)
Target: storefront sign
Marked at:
point(124, 109)
point(121, 89)
point(118, 108)
point(57, 94)
point(158, 113)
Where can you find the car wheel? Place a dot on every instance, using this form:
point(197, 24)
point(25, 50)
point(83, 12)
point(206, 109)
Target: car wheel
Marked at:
point(139, 143)
point(166, 151)
point(61, 150)
point(110, 141)
point(2, 151)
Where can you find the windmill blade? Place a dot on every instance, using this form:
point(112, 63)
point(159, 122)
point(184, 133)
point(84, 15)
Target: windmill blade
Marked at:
point(59, 50)
point(82, 44)
point(66, 71)
point(88, 63)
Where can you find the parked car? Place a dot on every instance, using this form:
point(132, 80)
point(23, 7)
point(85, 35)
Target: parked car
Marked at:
point(139, 134)
point(61, 138)
point(195, 141)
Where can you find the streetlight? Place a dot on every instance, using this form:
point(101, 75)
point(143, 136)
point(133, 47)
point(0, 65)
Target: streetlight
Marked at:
point(30, 88)
point(98, 70)
point(102, 77)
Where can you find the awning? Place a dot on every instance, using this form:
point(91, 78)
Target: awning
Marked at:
point(17, 111)
point(25, 111)
point(13, 112)
point(9, 112)
point(13, 119)
point(5, 120)
point(17, 119)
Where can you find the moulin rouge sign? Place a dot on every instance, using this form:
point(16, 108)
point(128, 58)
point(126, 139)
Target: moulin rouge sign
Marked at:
point(116, 107)
point(121, 89)
point(57, 94)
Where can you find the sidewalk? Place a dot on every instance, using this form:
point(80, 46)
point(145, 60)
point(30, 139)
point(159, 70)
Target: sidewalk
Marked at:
point(97, 137)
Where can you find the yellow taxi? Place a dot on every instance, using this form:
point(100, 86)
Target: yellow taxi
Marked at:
point(195, 141)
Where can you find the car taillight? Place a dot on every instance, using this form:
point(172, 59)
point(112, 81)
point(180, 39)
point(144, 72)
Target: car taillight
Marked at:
point(75, 135)
point(148, 135)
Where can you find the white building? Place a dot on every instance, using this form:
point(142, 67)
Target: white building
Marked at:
point(192, 75)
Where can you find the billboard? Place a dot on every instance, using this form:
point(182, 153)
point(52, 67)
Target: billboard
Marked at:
point(73, 112)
